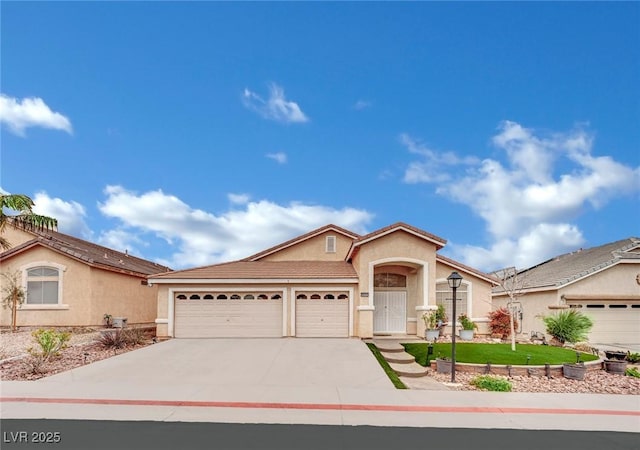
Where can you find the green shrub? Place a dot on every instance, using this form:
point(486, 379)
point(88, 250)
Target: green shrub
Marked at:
point(632, 372)
point(489, 383)
point(633, 357)
point(50, 344)
point(121, 337)
point(568, 326)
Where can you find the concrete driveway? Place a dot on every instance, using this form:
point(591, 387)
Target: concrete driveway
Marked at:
point(287, 362)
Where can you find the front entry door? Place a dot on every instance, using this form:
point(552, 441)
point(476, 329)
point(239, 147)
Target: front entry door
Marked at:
point(390, 314)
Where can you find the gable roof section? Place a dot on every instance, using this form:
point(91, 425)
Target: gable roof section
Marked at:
point(398, 226)
point(464, 268)
point(302, 238)
point(87, 252)
point(263, 270)
point(567, 268)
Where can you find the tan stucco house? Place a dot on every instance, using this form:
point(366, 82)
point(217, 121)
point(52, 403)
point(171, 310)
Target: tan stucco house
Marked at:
point(602, 282)
point(330, 282)
point(73, 282)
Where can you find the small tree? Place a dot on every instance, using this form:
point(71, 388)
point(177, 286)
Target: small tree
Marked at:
point(13, 295)
point(512, 284)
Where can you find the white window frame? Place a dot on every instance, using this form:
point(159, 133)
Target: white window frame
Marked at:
point(330, 244)
point(25, 278)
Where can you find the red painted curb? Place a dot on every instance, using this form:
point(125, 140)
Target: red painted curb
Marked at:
point(319, 406)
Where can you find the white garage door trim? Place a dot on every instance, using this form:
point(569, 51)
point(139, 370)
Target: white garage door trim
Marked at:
point(172, 304)
point(294, 292)
point(617, 325)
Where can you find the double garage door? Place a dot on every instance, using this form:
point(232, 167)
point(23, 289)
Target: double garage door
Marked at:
point(208, 315)
point(613, 322)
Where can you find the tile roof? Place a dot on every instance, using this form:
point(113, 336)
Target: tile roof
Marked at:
point(265, 270)
point(301, 238)
point(566, 268)
point(87, 252)
point(485, 276)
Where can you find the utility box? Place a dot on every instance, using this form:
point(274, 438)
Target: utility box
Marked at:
point(119, 322)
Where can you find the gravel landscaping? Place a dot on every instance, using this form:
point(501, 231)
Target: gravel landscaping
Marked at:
point(82, 349)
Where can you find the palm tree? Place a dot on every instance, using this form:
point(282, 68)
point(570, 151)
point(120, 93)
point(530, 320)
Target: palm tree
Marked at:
point(24, 216)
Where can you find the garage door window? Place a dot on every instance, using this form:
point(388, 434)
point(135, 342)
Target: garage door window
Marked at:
point(249, 297)
point(194, 297)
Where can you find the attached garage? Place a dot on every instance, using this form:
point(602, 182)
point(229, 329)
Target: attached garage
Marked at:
point(324, 314)
point(210, 315)
point(613, 322)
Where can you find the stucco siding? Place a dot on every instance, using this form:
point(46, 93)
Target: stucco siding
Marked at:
point(313, 249)
point(16, 237)
point(534, 307)
point(86, 295)
point(121, 296)
point(617, 280)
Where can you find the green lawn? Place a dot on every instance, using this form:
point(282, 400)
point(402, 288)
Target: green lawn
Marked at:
point(387, 369)
point(499, 353)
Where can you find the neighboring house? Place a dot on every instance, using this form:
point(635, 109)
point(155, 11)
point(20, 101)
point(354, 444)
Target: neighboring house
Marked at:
point(72, 282)
point(330, 282)
point(602, 282)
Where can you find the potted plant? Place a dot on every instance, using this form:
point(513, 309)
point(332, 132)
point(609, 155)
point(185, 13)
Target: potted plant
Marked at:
point(441, 318)
point(575, 371)
point(468, 325)
point(443, 364)
point(431, 324)
point(615, 366)
point(108, 320)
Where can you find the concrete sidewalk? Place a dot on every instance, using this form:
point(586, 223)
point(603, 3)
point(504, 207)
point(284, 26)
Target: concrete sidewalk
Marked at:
point(325, 406)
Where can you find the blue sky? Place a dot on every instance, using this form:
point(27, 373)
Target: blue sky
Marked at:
point(194, 133)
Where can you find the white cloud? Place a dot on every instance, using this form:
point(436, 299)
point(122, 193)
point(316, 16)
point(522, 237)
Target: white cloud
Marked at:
point(202, 238)
point(239, 199)
point(122, 240)
point(70, 215)
point(429, 169)
point(279, 157)
point(527, 210)
point(19, 115)
point(276, 107)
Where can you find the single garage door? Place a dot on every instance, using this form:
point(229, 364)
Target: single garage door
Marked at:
point(613, 322)
point(322, 315)
point(228, 315)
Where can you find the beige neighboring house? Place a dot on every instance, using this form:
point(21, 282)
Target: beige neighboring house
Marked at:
point(602, 282)
point(330, 282)
point(72, 282)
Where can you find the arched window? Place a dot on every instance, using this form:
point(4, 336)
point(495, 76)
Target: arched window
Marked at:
point(315, 297)
point(42, 285)
point(208, 297)
point(342, 296)
point(221, 297)
point(181, 297)
point(263, 297)
point(329, 297)
point(235, 297)
point(301, 297)
point(249, 297)
point(388, 280)
point(194, 297)
point(276, 297)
